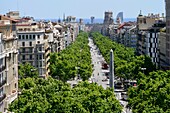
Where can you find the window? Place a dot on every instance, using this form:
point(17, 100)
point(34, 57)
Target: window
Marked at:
point(23, 37)
point(140, 21)
point(30, 50)
point(23, 57)
point(30, 37)
point(13, 60)
point(38, 36)
point(1, 91)
point(40, 57)
point(38, 42)
point(19, 37)
point(40, 49)
point(30, 43)
point(23, 43)
point(30, 57)
point(15, 85)
point(33, 37)
point(37, 57)
point(144, 20)
point(27, 37)
point(40, 64)
point(23, 50)
point(13, 72)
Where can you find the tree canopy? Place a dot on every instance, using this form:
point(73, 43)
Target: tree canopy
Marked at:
point(152, 95)
point(27, 70)
point(53, 96)
point(73, 60)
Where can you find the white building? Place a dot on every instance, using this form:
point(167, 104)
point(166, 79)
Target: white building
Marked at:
point(33, 47)
point(8, 63)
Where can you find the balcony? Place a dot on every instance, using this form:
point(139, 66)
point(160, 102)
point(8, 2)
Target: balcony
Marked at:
point(40, 52)
point(2, 97)
point(26, 52)
point(27, 59)
point(2, 83)
point(12, 97)
point(2, 68)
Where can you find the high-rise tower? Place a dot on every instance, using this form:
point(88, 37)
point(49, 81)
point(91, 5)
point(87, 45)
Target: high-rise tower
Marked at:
point(108, 18)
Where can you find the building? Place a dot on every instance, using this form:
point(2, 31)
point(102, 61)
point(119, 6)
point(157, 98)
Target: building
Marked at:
point(119, 18)
point(127, 34)
point(144, 23)
point(162, 50)
point(8, 62)
point(108, 23)
point(168, 32)
point(92, 19)
point(81, 25)
point(13, 14)
point(33, 46)
point(152, 42)
point(108, 18)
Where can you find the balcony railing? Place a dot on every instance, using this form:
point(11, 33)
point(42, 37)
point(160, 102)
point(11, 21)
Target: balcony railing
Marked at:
point(2, 83)
point(2, 68)
point(2, 97)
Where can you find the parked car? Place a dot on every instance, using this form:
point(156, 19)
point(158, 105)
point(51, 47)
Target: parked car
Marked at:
point(124, 96)
point(130, 83)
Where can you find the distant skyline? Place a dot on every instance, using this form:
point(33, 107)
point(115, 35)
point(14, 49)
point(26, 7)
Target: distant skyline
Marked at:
point(54, 9)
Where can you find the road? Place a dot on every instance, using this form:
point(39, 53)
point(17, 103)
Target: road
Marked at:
point(97, 59)
point(99, 75)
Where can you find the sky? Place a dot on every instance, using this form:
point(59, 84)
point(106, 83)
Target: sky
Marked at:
point(54, 9)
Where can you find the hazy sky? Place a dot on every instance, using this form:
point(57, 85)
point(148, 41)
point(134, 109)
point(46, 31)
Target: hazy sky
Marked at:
point(52, 9)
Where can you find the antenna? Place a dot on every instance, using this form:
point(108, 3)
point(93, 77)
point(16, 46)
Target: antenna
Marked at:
point(140, 12)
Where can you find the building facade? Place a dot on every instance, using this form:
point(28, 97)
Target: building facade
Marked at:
point(168, 32)
point(33, 47)
point(152, 42)
point(162, 50)
point(144, 23)
point(8, 62)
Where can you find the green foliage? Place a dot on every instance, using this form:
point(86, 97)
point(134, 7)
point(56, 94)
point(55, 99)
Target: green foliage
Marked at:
point(27, 70)
point(152, 94)
point(127, 65)
point(72, 61)
point(53, 96)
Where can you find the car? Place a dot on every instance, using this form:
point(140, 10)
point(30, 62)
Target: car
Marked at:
point(130, 83)
point(124, 96)
point(104, 66)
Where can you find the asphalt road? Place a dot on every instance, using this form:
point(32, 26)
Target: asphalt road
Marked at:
point(97, 59)
point(98, 74)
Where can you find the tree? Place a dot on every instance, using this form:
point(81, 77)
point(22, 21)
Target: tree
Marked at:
point(27, 70)
point(53, 96)
point(152, 93)
point(74, 60)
